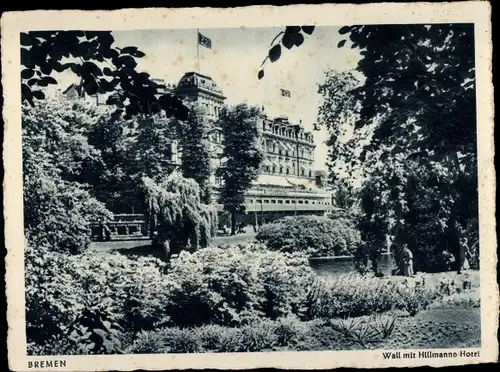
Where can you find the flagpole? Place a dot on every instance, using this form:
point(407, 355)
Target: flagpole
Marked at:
point(198, 48)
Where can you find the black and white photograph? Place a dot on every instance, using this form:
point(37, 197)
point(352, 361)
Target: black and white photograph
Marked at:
point(283, 188)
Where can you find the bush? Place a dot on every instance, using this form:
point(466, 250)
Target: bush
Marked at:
point(354, 295)
point(236, 285)
point(58, 206)
point(313, 235)
point(89, 300)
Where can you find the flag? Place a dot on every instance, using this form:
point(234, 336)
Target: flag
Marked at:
point(204, 41)
point(286, 93)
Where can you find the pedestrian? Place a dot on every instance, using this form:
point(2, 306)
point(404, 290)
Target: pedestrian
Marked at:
point(107, 232)
point(407, 261)
point(464, 255)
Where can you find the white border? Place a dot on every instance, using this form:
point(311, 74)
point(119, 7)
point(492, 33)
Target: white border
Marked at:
point(12, 23)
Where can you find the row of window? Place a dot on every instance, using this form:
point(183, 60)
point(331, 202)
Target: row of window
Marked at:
point(286, 170)
point(288, 201)
point(290, 133)
point(303, 154)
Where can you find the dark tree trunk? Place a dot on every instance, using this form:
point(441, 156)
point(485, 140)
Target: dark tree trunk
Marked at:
point(233, 223)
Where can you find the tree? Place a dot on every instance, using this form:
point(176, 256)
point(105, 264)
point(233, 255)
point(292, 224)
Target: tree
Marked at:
point(101, 66)
point(174, 206)
point(195, 146)
point(290, 37)
point(58, 207)
point(414, 108)
point(243, 156)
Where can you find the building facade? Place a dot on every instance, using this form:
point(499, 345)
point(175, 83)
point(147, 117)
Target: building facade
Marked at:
point(287, 183)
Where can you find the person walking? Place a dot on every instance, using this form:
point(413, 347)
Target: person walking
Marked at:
point(464, 255)
point(407, 261)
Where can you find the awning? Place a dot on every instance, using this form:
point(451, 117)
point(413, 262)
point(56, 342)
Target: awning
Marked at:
point(266, 179)
point(302, 182)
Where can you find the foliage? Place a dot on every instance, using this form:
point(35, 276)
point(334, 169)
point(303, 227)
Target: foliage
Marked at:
point(313, 235)
point(101, 66)
point(57, 208)
point(181, 218)
point(86, 302)
point(354, 295)
point(292, 36)
point(243, 154)
point(236, 285)
point(365, 330)
point(195, 147)
point(417, 87)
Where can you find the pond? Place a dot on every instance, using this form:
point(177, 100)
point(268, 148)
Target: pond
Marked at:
point(332, 266)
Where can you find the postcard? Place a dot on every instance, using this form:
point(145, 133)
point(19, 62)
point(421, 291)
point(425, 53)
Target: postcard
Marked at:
point(294, 187)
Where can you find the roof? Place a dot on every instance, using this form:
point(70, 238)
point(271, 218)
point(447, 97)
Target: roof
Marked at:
point(193, 79)
point(290, 182)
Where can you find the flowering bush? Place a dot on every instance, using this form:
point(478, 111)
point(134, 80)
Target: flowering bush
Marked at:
point(235, 285)
point(313, 235)
point(89, 300)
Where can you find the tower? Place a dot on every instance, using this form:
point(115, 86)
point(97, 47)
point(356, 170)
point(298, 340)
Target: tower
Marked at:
point(202, 89)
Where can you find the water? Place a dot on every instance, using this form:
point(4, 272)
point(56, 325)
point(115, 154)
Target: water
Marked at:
point(332, 266)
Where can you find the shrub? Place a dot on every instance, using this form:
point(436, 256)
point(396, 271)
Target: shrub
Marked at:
point(313, 235)
point(236, 285)
point(58, 207)
point(354, 295)
point(259, 336)
point(290, 331)
point(86, 299)
point(365, 330)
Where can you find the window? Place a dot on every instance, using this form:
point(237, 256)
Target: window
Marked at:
point(287, 170)
point(302, 172)
point(274, 169)
point(280, 201)
point(306, 202)
point(281, 169)
point(273, 201)
point(250, 200)
point(258, 201)
point(310, 174)
point(287, 201)
point(266, 201)
point(301, 202)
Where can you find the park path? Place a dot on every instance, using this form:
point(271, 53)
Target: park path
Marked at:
point(245, 237)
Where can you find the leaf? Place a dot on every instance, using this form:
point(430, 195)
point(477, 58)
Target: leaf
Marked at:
point(139, 54)
point(344, 30)
point(341, 43)
point(129, 50)
point(275, 53)
point(46, 69)
point(28, 40)
point(288, 41)
point(299, 39)
point(27, 73)
point(107, 71)
point(49, 80)
point(292, 29)
point(32, 82)
point(27, 58)
point(38, 94)
point(308, 29)
point(260, 75)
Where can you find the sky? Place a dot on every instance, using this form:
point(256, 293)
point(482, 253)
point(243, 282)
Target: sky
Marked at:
point(234, 61)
